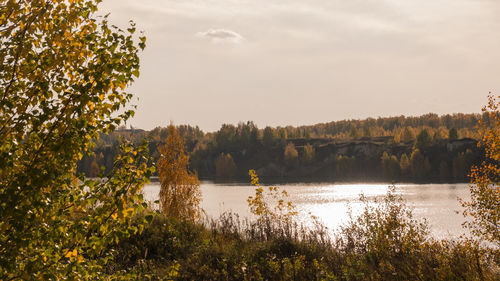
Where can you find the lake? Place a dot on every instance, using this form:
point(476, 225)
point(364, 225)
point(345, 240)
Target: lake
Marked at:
point(329, 202)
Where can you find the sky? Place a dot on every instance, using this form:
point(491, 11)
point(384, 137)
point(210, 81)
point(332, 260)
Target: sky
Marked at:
point(297, 62)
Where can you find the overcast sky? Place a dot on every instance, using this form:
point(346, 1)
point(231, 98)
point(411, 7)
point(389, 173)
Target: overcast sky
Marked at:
point(297, 62)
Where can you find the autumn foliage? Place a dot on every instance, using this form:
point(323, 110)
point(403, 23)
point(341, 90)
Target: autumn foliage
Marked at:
point(180, 189)
point(261, 204)
point(64, 72)
point(484, 206)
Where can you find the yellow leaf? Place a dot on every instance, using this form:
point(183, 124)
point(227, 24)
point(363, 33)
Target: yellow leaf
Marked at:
point(114, 216)
point(67, 254)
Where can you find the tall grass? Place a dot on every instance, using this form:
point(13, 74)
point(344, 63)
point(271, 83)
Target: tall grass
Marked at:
point(384, 243)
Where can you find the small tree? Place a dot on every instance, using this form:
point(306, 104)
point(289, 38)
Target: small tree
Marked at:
point(353, 132)
point(394, 169)
point(367, 132)
point(407, 135)
point(94, 169)
point(345, 165)
point(484, 205)
point(390, 165)
point(291, 156)
point(404, 164)
point(268, 138)
point(260, 203)
point(180, 189)
point(385, 159)
point(225, 166)
point(419, 164)
point(453, 134)
point(439, 135)
point(424, 139)
point(308, 154)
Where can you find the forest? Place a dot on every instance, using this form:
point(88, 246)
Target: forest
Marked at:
point(427, 148)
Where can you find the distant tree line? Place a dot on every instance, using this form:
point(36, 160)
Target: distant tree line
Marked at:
point(425, 148)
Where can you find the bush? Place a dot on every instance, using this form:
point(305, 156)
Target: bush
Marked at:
point(385, 241)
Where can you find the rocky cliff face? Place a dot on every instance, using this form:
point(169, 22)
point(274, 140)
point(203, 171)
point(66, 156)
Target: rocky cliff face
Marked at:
point(460, 144)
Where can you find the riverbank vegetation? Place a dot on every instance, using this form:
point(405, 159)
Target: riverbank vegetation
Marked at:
point(384, 243)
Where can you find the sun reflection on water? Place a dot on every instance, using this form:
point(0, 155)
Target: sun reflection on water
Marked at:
point(330, 202)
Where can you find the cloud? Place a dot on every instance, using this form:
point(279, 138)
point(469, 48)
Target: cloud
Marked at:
point(221, 35)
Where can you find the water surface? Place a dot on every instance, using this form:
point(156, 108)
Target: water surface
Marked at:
point(329, 202)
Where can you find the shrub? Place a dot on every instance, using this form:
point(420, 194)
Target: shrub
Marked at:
point(180, 193)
